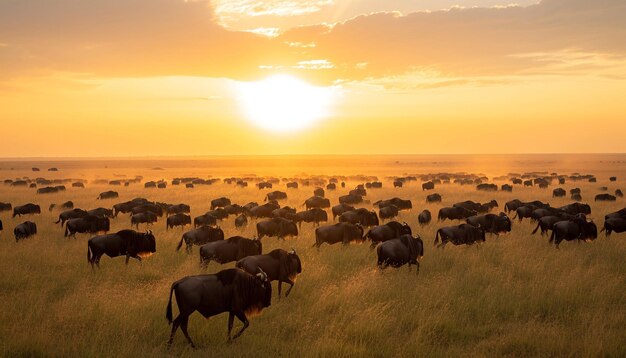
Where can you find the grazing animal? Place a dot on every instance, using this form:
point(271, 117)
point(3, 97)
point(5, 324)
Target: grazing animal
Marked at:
point(605, 197)
point(618, 193)
point(576, 197)
point(401, 204)
point(143, 218)
point(487, 187)
point(26, 209)
point(263, 211)
point(127, 207)
point(406, 249)
point(578, 229)
point(200, 236)
point(78, 185)
point(491, 223)
point(350, 199)
point(424, 217)
point(103, 212)
point(71, 214)
point(397, 184)
point(232, 249)
point(316, 202)
point(5, 207)
point(388, 212)
point(315, 215)
point(452, 213)
point(86, 224)
point(129, 243)
point(292, 185)
point(66, 205)
point(48, 190)
point(286, 212)
point(525, 211)
point(280, 265)
point(179, 219)
point(24, 230)
point(108, 195)
point(276, 227)
point(617, 225)
point(576, 208)
point(276, 195)
point(241, 221)
point(506, 187)
point(343, 232)
point(558, 192)
point(428, 186)
point(360, 216)
point(547, 222)
point(204, 220)
point(178, 209)
point(319, 192)
point(234, 291)
point(388, 231)
point(147, 208)
point(433, 198)
point(340, 209)
point(464, 234)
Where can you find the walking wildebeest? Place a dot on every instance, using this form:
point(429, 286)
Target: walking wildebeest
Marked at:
point(241, 221)
point(457, 213)
point(388, 231)
point(605, 197)
point(340, 209)
point(350, 199)
point(577, 229)
point(617, 225)
point(343, 232)
point(398, 252)
point(388, 212)
point(424, 217)
point(233, 290)
point(276, 227)
point(204, 220)
point(147, 218)
point(200, 236)
point(315, 215)
point(26, 209)
point(360, 216)
point(66, 205)
point(179, 219)
point(276, 195)
point(280, 265)
point(464, 234)
point(71, 214)
point(428, 186)
point(86, 224)
point(433, 198)
point(491, 223)
point(24, 230)
point(5, 207)
point(108, 195)
point(316, 202)
point(129, 243)
point(401, 204)
point(232, 249)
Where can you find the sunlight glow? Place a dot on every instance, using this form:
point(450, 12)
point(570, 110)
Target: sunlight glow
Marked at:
point(283, 103)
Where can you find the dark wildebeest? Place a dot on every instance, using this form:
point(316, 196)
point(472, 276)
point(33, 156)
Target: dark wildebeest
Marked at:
point(464, 234)
point(525, 211)
point(104, 212)
point(276, 195)
point(424, 217)
point(126, 242)
point(234, 209)
point(200, 236)
point(78, 185)
point(108, 195)
point(618, 214)
point(576, 208)
point(574, 191)
point(398, 252)
point(48, 190)
point(147, 218)
point(477, 207)
point(350, 199)
point(331, 186)
point(314, 215)
point(316, 202)
point(541, 212)
point(360, 216)
point(178, 209)
point(516, 181)
point(547, 222)
point(340, 209)
point(614, 224)
point(577, 229)
point(618, 193)
point(286, 212)
point(241, 221)
point(127, 206)
point(576, 197)
point(179, 219)
point(397, 184)
point(359, 191)
point(64, 206)
point(433, 198)
point(232, 249)
point(219, 213)
point(558, 192)
point(145, 208)
point(319, 192)
point(5, 207)
point(26, 209)
point(458, 213)
point(204, 220)
point(605, 197)
point(263, 211)
point(276, 227)
point(388, 212)
point(506, 187)
point(343, 232)
point(24, 230)
point(234, 291)
point(88, 224)
point(487, 187)
point(280, 265)
point(71, 214)
point(528, 183)
point(401, 204)
point(613, 179)
point(292, 185)
point(388, 231)
point(491, 223)
point(428, 186)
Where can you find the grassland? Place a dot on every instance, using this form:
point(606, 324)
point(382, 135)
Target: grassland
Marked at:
point(514, 295)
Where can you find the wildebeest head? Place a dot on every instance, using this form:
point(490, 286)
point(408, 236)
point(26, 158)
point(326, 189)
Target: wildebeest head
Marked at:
point(267, 285)
point(145, 243)
point(295, 265)
point(406, 229)
point(289, 228)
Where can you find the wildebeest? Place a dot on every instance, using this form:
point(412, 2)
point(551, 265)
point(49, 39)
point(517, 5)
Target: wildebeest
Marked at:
point(86, 224)
point(397, 184)
point(276, 195)
point(233, 290)
point(506, 187)
point(428, 186)
point(178, 209)
point(613, 179)
point(78, 185)
point(547, 222)
point(315, 215)
point(129, 243)
point(232, 249)
point(558, 192)
point(464, 234)
point(264, 185)
point(331, 186)
point(147, 218)
point(401, 204)
point(316, 202)
point(360, 216)
point(219, 213)
point(26, 209)
point(574, 191)
point(350, 199)
point(618, 214)
point(319, 192)
point(424, 217)
point(340, 209)
point(276, 227)
point(234, 209)
point(286, 212)
point(576, 208)
point(280, 265)
point(617, 225)
point(388, 231)
point(200, 236)
point(5, 207)
point(145, 208)
point(47, 190)
point(491, 223)
point(451, 213)
point(388, 212)
point(343, 232)
point(127, 206)
point(179, 219)
point(104, 212)
point(241, 221)
point(292, 185)
point(263, 211)
point(71, 214)
point(108, 195)
point(24, 230)
point(358, 191)
point(66, 205)
point(398, 252)
point(577, 229)
point(605, 197)
point(477, 207)
point(433, 198)
point(528, 183)
point(618, 193)
point(516, 181)
point(525, 211)
point(576, 197)
point(204, 220)
point(487, 187)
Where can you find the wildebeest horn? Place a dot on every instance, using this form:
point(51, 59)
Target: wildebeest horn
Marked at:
point(293, 251)
point(262, 275)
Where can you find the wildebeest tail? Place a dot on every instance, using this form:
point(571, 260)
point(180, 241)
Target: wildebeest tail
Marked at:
point(58, 221)
point(66, 229)
point(537, 228)
point(168, 311)
point(180, 244)
point(515, 216)
point(88, 253)
point(436, 237)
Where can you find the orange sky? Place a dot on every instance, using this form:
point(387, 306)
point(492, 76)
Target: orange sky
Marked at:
point(160, 77)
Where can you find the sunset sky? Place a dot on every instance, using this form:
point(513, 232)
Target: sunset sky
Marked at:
point(195, 77)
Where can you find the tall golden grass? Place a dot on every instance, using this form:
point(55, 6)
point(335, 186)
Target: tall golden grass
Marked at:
point(514, 295)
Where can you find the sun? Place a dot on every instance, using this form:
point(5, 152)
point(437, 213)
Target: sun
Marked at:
point(283, 103)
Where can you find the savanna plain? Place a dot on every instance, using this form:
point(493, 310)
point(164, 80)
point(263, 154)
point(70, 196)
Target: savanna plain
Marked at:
point(513, 295)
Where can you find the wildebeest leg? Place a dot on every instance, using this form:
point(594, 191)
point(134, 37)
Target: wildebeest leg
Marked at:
point(175, 325)
point(242, 317)
point(291, 283)
point(280, 285)
point(183, 326)
point(231, 318)
point(127, 258)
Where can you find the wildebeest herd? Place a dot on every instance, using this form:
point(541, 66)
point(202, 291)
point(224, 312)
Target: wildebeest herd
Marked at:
point(247, 287)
